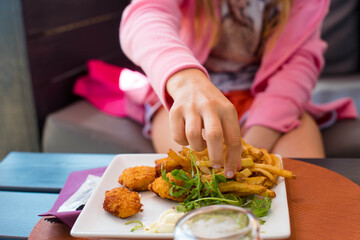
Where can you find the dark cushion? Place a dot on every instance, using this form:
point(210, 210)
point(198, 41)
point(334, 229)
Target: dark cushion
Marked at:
point(341, 32)
point(342, 139)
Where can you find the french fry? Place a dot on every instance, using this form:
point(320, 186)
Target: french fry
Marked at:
point(207, 177)
point(239, 177)
point(267, 158)
point(168, 163)
point(198, 156)
point(275, 170)
point(205, 170)
point(255, 180)
point(202, 163)
point(183, 161)
point(202, 167)
point(245, 152)
point(172, 154)
point(276, 163)
point(268, 184)
point(246, 172)
point(255, 152)
point(239, 187)
point(205, 158)
point(186, 151)
point(249, 150)
point(264, 172)
point(269, 193)
point(259, 172)
point(247, 162)
point(203, 153)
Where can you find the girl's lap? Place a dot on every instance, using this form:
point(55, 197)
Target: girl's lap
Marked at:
point(302, 142)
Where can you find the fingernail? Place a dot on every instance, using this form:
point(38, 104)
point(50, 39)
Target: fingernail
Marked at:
point(217, 166)
point(229, 174)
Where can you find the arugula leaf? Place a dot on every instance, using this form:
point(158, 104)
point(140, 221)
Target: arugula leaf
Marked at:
point(179, 174)
point(163, 175)
point(200, 194)
point(260, 207)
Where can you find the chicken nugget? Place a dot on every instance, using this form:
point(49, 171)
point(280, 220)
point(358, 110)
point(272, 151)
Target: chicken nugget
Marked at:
point(122, 202)
point(162, 188)
point(137, 178)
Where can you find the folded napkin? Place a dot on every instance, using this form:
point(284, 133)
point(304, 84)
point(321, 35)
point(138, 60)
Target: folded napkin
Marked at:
point(72, 184)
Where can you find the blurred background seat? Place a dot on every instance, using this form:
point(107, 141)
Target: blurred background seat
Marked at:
point(81, 127)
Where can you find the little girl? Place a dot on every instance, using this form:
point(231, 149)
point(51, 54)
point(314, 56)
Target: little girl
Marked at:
point(223, 70)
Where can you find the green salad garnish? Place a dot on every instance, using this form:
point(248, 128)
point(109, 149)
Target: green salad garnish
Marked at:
point(136, 227)
point(200, 194)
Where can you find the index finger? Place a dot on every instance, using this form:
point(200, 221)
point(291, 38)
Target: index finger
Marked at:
point(232, 138)
point(214, 139)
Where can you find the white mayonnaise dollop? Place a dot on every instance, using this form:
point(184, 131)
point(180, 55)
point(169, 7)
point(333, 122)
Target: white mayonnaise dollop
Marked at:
point(165, 223)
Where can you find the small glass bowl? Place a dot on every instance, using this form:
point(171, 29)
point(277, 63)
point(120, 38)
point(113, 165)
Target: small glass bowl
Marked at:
point(226, 222)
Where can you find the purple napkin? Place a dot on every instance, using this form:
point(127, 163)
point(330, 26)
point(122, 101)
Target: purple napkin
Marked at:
point(73, 183)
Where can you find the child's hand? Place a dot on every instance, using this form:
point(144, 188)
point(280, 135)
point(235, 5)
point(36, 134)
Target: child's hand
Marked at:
point(198, 105)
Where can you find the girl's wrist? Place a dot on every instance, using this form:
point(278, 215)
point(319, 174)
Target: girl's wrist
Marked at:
point(184, 80)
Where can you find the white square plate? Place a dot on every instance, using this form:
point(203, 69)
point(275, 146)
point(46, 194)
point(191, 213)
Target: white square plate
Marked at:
point(95, 222)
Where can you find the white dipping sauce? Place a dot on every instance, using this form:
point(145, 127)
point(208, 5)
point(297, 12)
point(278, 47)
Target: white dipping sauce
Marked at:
point(165, 223)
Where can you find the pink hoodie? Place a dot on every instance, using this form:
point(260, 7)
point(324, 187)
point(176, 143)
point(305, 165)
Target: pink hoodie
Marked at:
point(159, 36)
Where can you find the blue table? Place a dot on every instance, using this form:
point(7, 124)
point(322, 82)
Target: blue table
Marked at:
point(19, 212)
point(30, 183)
point(45, 172)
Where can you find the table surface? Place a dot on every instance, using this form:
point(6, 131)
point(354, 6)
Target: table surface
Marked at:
point(19, 171)
point(348, 167)
point(30, 183)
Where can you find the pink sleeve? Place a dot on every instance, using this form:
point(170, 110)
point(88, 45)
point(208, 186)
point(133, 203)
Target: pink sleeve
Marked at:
point(149, 36)
point(287, 92)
